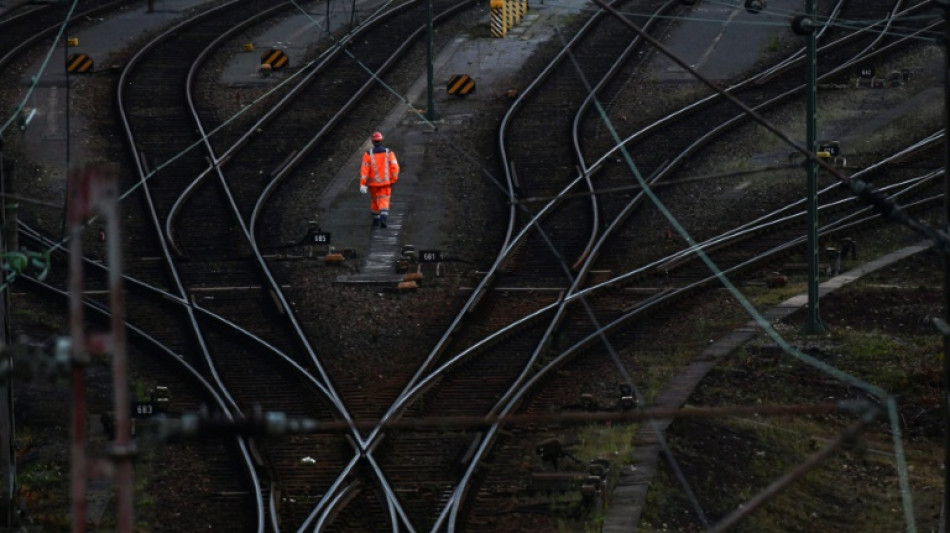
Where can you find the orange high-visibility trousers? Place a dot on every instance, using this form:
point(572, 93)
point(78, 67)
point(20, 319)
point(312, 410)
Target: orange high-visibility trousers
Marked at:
point(379, 200)
point(379, 171)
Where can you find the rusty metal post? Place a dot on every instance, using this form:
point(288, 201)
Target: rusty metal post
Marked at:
point(78, 206)
point(123, 449)
point(93, 191)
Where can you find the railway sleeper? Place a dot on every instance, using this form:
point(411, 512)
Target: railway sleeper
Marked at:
point(574, 490)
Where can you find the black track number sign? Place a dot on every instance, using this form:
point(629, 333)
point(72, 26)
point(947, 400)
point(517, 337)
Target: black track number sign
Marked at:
point(320, 237)
point(144, 409)
point(430, 256)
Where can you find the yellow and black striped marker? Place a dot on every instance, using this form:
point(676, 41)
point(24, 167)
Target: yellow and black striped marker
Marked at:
point(79, 63)
point(460, 84)
point(274, 58)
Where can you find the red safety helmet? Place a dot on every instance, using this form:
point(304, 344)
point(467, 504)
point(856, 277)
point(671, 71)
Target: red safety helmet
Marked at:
point(377, 137)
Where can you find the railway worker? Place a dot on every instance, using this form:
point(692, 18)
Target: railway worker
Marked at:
point(378, 174)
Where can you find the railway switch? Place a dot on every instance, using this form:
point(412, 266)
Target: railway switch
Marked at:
point(627, 400)
point(755, 6)
point(833, 256)
point(595, 483)
point(775, 280)
point(599, 468)
point(549, 451)
point(849, 248)
point(161, 397)
point(590, 489)
point(588, 402)
point(830, 148)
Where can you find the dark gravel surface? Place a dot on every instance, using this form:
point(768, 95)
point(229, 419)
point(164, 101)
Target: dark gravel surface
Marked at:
point(343, 318)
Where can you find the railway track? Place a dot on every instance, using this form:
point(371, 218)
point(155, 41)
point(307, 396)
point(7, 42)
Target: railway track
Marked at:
point(563, 323)
point(234, 253)
point(198, 289)
point(25, 27)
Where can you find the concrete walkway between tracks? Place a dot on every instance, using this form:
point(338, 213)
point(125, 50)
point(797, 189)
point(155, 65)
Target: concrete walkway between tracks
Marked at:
point(416, 216)
point(629, 495)
point(59, 142)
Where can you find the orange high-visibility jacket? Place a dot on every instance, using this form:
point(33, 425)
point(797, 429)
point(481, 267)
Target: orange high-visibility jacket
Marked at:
point(379, 168)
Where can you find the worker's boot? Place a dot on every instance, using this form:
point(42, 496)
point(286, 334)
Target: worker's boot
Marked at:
point(382, 221)
point(376, 222)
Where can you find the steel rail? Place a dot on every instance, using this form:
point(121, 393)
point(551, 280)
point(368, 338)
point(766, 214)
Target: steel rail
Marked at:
point(19, 11)
point(23, 45)
point(510, 242)
point(598, 336)
point(705, 138)
point(284, 172)
point(298, 156)
point(196, 64)
point(322, 62)
point(485, 444)
point(584, 109)
point(758, 78)
point(450, 511)
point(485, 441)
point(131, 281)
point(613, 282)
point(170, 264)
point(667, 168)
point(178, 359)
point(782, 98)
point(291, 164)
point(778, 215)
point(208, 388)
point(216, 169)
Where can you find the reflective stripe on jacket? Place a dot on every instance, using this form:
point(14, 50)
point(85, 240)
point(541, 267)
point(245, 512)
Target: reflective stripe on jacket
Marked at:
point(379, 168)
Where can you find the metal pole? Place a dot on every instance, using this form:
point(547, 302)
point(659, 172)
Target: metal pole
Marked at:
point(123, 450)
point(813, 326)
point(7, 421)
point(945, 511)
point(431, 113)
point(66, 77)
point(76, 208)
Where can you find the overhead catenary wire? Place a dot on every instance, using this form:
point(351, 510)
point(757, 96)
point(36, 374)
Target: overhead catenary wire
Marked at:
point(760, 320)
point(255, 102)
point(657, 431)
point(859, 188)
point(286, 426)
